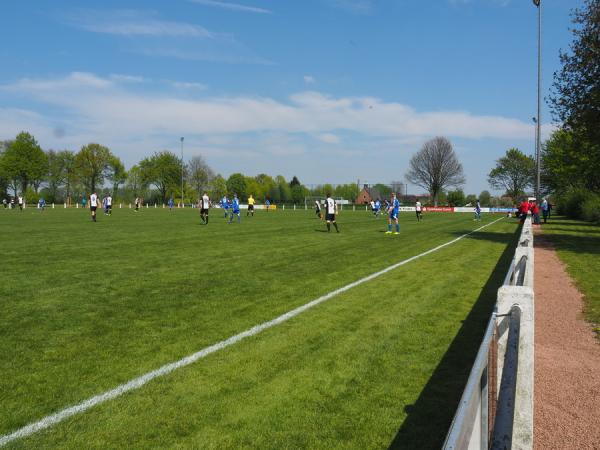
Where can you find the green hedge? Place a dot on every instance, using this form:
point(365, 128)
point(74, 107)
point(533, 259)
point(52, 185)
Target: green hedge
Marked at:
point(580, 204)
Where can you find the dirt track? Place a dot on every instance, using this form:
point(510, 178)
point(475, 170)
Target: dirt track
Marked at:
point(567, 360)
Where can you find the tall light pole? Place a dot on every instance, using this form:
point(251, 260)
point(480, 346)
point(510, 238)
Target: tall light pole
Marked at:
point(181, 171)
point(538, 134)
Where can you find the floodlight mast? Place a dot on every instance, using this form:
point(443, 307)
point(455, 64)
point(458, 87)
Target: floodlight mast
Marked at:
point(538, 146)
point(181, 171)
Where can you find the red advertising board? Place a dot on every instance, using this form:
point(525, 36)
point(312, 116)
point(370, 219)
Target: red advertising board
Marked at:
point(438, 209)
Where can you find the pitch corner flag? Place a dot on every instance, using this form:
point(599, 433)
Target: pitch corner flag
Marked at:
point(536, 2)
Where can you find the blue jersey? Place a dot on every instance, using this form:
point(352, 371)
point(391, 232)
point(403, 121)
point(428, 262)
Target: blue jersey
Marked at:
point(396, 206)
point(236, 205)
point(377, 205)
point(225, 203)
point(171, 202)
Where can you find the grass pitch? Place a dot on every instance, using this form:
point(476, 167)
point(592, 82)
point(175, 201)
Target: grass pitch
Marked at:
point(85, 307)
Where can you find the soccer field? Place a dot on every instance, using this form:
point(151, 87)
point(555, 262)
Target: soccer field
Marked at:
point(86, 307)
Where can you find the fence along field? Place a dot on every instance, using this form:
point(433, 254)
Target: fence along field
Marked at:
point(120, 329)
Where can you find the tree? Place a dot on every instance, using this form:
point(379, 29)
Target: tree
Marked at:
point(70, 174)
point(575, 100)
point(295, 181)
point(163, 170)
point(92, 165)
point(117, 174)
point(217, 187)
point(200, 174)
point(514, 173)
point(285, 192)
point(265, 186)
point(383, 189)
point(485, 198)
point(24, 162)
point(236, 184)
point(567, 163)
point(435, 167)
point(298, 194)
point(347, 191)
point(134, 181)
point(56, 174)
point(456, 198)
point(3, 177)
point(471, 199)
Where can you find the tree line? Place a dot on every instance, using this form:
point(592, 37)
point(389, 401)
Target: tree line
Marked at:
point(68, 176)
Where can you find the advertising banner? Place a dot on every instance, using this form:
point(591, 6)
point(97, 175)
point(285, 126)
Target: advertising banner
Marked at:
point(438, 208)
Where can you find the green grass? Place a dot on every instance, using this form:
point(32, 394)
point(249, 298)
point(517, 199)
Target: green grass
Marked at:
point(578, 246)
point(88, 306)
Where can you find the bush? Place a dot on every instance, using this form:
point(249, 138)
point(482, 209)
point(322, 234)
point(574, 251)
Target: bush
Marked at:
point(570, 203)
point(591, 209)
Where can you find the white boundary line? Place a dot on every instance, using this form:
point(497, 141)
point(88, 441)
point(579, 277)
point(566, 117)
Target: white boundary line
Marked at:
point(136, 383)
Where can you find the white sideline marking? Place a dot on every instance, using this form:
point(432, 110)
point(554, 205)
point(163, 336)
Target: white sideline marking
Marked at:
point(136, 383)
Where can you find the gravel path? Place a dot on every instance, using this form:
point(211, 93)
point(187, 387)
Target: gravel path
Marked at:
point(567, 360)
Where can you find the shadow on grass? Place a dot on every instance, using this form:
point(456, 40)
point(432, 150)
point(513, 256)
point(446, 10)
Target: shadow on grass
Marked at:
point(428, 420)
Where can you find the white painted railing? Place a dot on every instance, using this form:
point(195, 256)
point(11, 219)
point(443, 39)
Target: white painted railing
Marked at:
point(496, 408)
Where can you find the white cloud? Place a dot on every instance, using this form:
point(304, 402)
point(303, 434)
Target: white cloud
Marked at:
point(188, 85)
point(329, 138)
point(309, 79)
point(133, 23)
point(120, 78)
point(232, 6)
point(98, 103)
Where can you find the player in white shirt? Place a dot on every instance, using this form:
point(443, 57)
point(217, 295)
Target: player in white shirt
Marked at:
point(419, 211)
point(330, 212)
point(204, 205)
point(318, 209)
point(109, 205)
point(93, 205)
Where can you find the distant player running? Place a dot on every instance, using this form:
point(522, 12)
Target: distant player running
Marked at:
point(109, 205)
point(330, 213)
point(318, 209)
point(376, 208)
point(235, 209)
point(393, 211)
point(171, 203)
point(419, 211)
point(93, 205)
point(225, 206)
point(20, 203)
point(477, 211)
point(267, 204)
point(204, 206)
point(137, 204)
point(250, 206)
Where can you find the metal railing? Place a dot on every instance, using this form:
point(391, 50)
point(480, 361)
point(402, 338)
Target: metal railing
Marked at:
point(496, 408)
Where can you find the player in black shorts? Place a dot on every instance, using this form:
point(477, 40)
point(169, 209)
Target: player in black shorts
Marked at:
point(330, 212)
point(204, 205)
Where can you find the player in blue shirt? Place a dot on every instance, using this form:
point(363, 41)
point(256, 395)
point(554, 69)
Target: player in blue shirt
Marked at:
point(235, 209)
point(225, 206)
point(393, 211)
point(42, 204)
point(267, 204)
point(376, 208)
point(171, 202)
point(477, 211)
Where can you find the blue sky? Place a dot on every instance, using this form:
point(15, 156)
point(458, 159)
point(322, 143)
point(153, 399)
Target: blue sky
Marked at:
point(328, 90)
